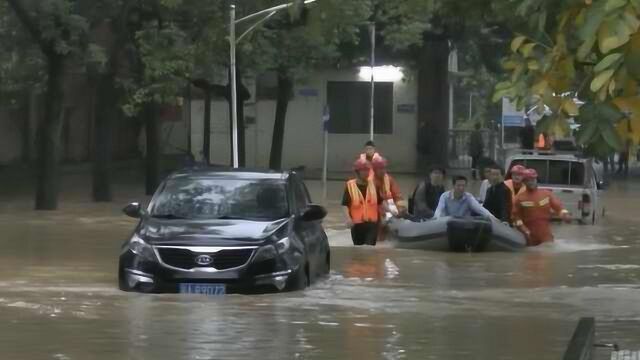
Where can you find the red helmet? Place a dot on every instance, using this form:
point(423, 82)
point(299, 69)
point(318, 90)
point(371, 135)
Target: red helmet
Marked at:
point(518, 170)
point(530, 174)
point(379, 162)
point(361, 164)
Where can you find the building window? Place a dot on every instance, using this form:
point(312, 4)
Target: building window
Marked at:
point(349, 105)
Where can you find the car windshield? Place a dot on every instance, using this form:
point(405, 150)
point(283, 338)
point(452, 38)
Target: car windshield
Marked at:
point(206, 198)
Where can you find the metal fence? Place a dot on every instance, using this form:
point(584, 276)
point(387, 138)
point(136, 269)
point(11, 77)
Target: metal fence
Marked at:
point(458, 147)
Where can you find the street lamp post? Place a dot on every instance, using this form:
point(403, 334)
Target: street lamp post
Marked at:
point(372, 34)
point(233, 42)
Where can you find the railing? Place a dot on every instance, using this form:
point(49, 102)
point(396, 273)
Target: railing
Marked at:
point(458, 147)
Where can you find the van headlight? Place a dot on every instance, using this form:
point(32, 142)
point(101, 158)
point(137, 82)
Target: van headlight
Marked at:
point(140, 248)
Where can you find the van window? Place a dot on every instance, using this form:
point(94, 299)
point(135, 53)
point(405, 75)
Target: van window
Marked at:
point(541, 168)
point(556, 172)
point(577, 174)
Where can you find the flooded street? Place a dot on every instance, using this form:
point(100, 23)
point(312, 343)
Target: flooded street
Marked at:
point(59, 296)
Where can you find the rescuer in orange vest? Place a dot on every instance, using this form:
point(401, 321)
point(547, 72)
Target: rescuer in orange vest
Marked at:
point(393, 201)
point(533, 210)
point(361, 202)
point(515, 183)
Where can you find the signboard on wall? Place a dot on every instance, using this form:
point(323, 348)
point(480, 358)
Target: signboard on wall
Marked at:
point(406, 108)
point(511, 117)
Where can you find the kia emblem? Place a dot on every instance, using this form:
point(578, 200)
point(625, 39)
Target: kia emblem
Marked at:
point(204, 260)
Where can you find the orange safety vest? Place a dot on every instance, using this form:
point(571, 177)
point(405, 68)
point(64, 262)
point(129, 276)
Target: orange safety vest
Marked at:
point(363, 209)
point(375, 156)
point(511, 187)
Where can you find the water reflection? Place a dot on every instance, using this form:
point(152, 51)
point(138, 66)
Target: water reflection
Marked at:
point(57, 285)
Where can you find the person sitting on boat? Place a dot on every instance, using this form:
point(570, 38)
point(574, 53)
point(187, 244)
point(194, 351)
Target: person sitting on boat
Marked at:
point(484, 186)
point(427, 194)
point(515, 183)
point(459, 203)
point(498, 199)
point(361, 203)
point(533, 210)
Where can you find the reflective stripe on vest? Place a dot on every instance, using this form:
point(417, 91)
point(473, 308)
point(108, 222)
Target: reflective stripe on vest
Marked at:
point(363, 209)
point(387, 187)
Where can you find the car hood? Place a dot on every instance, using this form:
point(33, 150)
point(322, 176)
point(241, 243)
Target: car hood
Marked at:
point(207, 233)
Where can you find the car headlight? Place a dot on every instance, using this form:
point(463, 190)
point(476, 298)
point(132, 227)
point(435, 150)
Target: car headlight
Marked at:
point(283, 245)
point(271, 251)
point(140, 248)
point(265, 253)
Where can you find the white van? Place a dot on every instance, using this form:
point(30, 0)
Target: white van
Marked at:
point(575, 180)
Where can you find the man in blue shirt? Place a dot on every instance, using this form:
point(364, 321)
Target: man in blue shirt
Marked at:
point(458, 202)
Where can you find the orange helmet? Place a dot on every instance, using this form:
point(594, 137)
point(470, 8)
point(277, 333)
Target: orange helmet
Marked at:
point(379, 163)
point(518, 170)
point(361, 164)
point(530, 174)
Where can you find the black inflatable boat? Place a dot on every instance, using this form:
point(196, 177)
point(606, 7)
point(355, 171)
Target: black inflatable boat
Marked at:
point(472, 234)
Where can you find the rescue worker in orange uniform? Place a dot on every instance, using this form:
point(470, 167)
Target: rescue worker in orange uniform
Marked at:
point(533, 210)
point(515, 183)
point(388, 188)
point(361, 202)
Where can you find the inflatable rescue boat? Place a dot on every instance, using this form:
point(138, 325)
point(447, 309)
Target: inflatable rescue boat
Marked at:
point(470, 234)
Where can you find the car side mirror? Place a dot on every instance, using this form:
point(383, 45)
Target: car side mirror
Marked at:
point(133, 210)
point(314, 213)
point(600, 185)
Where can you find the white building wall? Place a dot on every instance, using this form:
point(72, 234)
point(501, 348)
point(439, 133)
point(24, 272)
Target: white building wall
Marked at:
point(303, 142)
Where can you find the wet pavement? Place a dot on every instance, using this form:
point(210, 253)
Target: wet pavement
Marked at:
point(59, 300)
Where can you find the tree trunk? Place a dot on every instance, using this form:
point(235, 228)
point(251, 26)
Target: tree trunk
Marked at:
point(47, 177)
point(152, 161)
point(433, 101)
point(285, 87)
point(206, 143)
point(106, 111)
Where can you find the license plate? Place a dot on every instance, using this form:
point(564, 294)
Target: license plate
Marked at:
point(203, 289)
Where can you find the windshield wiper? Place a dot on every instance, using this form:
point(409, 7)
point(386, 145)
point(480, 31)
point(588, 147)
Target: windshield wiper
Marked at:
point(168, 216)
point(230, 217)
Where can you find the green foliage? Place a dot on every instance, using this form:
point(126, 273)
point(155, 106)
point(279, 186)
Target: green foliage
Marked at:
point(592, 50)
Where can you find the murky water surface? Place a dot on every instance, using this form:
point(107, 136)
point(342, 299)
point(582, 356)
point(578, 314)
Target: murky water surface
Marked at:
point(58, 297)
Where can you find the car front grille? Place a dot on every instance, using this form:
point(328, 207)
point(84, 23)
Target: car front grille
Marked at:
point(222, 260)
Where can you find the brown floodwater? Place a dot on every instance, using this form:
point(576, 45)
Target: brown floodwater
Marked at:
point(59, 300)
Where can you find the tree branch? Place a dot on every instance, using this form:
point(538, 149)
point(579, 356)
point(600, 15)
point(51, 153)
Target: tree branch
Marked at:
point(30, 24)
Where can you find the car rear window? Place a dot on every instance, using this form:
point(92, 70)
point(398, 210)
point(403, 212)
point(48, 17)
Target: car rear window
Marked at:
point(556, 172)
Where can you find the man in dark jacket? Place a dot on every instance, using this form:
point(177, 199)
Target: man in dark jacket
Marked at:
point(498, 199)
point(427, 193)
point(527, 135)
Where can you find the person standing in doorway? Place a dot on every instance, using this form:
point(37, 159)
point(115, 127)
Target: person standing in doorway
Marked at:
point(361, 203)
point(476, 149)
